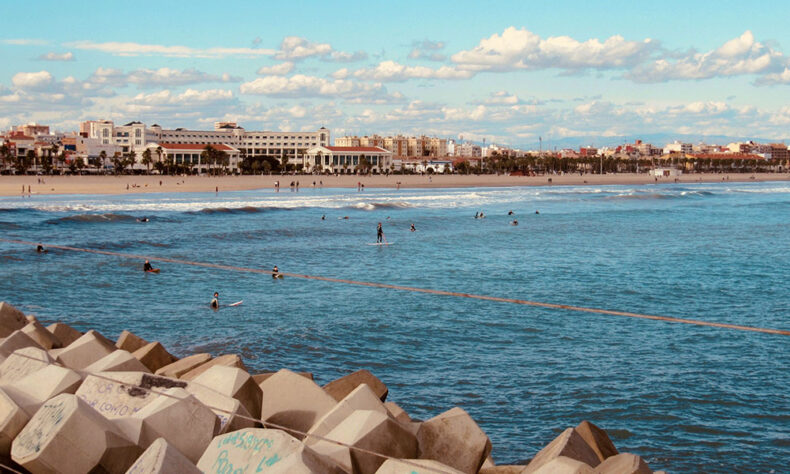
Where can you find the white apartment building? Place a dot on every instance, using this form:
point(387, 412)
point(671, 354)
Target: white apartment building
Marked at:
point(400, 145)
point(469, 150)
point(345, 159)
point(136, 136)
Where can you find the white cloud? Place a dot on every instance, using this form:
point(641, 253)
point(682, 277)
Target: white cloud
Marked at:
point(774, 78)
point(391, 71)
point(295, 48)
point(147, 78)
point(738, 56)
point(277, 69)
point(521, 49)
point(138, 49)
point(51, 56)
point(188, 97)
point(501, 98)
point(427, 49)
point(25, 42)
point(32, 80)
point(300, 85)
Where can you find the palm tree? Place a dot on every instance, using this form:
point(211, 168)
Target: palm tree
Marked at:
point(4, 154)
point(131, 159)
point(284, 161)
point(31, 156)
point(159, 152)
point(117, 162)
point(102, 157)
point(147, 160)
point(207, 156)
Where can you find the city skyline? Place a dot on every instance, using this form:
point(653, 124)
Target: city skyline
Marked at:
point(505, 72)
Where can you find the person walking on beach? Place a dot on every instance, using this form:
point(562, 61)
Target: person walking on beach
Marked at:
point(215, 301)
point(379, 234)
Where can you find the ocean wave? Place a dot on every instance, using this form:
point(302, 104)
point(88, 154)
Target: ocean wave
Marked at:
point(372, 206)
point(92, 218)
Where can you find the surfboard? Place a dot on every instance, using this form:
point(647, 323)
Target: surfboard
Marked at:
point(277, 275)
point(236, 303)
point(380, 243)
point(155, 270)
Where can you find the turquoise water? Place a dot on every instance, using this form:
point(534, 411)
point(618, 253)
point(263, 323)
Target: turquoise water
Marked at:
point(687, 398)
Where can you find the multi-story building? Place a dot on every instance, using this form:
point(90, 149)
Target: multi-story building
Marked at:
point(469, 150)
point(346, 159)
point(135, 136)
point(400, 145)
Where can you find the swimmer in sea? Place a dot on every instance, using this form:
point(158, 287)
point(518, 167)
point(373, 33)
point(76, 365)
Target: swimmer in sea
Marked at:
point(276, 272)
point(412, 227)
point(40, 249)
point(323, 217)
point(515, 222)
point(215, 301)
point(510, 213)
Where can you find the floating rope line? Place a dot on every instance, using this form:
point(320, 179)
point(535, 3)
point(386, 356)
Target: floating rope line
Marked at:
point(266, 424)
point(413, 289)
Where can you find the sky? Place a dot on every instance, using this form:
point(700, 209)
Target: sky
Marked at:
point(507, 72)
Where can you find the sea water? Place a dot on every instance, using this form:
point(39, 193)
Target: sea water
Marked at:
point(686, 398)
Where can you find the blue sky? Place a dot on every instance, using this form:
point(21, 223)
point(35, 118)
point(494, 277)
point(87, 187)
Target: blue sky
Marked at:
point(505, 71)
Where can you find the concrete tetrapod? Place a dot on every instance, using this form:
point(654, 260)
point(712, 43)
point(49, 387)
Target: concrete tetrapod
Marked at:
point(293, 401)
point(23, 362)
point(235, 383)
point(569, 444)
point(263, 450)
point(162, 458)
point(125, 397)
point(398, 466)
point(362, 398)
point(41, 335)
point(453, 438)
point(11, 319)
point(397, 412)
point(372, 431)
point(176, 416)
point(260, 378)
point(597, 439)
point(154, 356)
point(624, 463)
point(65, 333)
point(339, 388)
point(130, 341)
point(180, 367)
point(118, 361)
point(12, 420)
point(564, 465)
point(67, 436)
point(86, 350)
point(31, 391)
point(231, 413)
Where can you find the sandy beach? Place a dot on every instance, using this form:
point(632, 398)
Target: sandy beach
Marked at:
point(126, 184)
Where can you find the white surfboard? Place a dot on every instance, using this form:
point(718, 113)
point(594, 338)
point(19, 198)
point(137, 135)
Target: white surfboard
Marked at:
point(236, 303)
point(380, 243)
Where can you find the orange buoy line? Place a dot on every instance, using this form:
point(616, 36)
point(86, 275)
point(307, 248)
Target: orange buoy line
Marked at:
point(413, 289)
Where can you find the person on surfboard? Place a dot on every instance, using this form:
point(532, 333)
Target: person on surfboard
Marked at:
point(215, 302)
point(379, 234)
point(275, 272)
point(147, 267)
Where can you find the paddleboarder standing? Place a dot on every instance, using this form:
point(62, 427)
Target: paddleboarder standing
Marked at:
point(379, 234)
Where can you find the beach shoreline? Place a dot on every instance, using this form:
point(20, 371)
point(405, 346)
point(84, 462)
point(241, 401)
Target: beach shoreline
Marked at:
point(133, 184)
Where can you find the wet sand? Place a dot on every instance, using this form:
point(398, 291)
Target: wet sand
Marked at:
point(13, 185)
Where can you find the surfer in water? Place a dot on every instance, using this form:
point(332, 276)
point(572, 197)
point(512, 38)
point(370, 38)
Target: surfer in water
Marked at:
point(275, 272)
point(147, 267)
point(413, 229)
point(40, 249)
point(379, 234)
point(215, 301)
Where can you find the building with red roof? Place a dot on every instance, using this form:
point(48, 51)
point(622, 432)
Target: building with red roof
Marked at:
point(348, 159)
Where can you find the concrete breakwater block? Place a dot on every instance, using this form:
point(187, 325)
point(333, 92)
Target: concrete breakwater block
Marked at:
point(130, 341)
point(453, 438)
point(12, 420)
point(397, 412)
point(235, 383)
point(118, 361)
point(569, 444)
point(372, 431)
point(597, 439)
point(362, 398)
point(67, 436)
point(65, 333)
point(260, 378)
point(16, 340)
point(11, 319)
point(122, 394)
point(180, 367)
point(154, 356)
point(228, 360)
point(231, 413)
point(23, 362)
point(263, 450)
point(416, 466)
point(339, 388)
point(625, 463)
point(86, 350)
point(178, 417)
point(162, 458)
point(565, 465)
point(33, 390)
point(292, 401)
point(502, 469)
point(41, 335)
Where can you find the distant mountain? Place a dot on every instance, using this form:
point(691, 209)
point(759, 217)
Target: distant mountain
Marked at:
point(657, 139)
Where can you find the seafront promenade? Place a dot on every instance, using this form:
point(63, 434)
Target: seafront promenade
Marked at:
point(129, 184)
